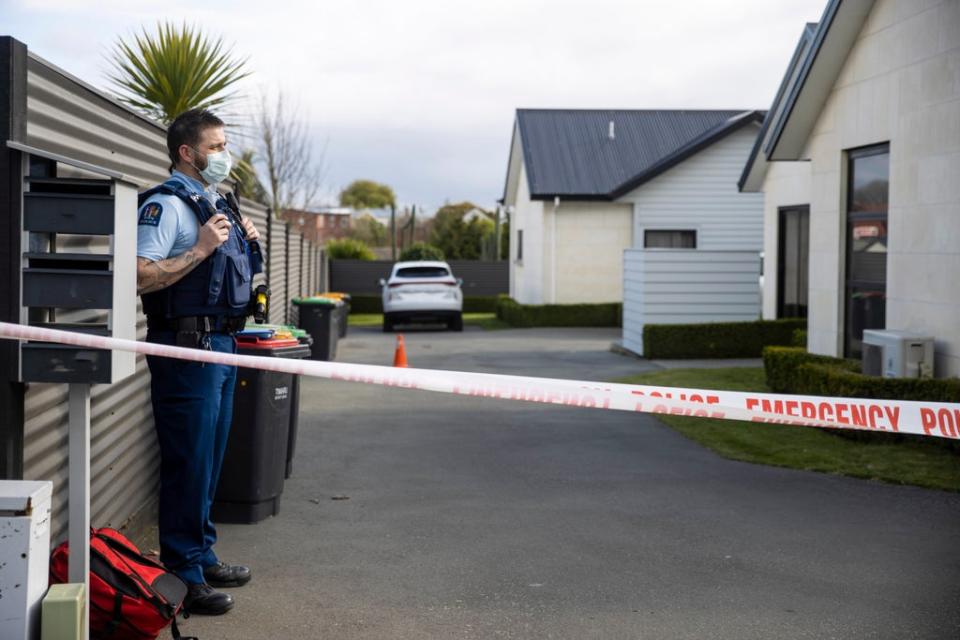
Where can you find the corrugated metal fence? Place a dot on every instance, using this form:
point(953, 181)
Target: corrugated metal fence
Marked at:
point(685, 286)
point(360, 277)
point(68, 117)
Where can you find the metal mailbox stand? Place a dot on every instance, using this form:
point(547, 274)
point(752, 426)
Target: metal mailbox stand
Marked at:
point(101, 286)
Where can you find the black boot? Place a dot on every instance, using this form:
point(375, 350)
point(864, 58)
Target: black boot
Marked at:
point(227, 575)
point(203, 600)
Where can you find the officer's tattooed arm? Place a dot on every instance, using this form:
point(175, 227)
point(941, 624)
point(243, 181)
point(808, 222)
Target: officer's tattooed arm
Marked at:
point(153, 276)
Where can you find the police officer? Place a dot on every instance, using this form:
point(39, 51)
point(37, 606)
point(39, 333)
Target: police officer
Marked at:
point(195, 260)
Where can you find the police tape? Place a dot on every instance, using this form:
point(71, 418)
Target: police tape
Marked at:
point(892, 416)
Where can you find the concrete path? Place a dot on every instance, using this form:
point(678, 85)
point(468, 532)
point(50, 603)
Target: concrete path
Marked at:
point(471, 518)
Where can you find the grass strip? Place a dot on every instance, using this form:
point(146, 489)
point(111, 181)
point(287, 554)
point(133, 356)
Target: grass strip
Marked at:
point(923, 462)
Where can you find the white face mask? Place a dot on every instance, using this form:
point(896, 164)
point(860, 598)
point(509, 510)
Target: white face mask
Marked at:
point(218, 167)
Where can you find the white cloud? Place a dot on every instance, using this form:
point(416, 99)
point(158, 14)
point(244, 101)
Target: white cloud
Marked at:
point(421, 94)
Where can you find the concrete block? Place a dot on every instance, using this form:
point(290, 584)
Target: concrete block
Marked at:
point(938, 181)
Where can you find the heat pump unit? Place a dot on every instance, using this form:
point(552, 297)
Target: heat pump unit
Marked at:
point(897, 354)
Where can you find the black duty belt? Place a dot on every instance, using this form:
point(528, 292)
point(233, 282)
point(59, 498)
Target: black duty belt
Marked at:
point(198, 324)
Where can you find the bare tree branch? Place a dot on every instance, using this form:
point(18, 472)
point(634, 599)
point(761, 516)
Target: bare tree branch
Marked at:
point(294, 174)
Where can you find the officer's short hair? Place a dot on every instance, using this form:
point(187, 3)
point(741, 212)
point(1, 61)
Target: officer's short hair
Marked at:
point(186, 129)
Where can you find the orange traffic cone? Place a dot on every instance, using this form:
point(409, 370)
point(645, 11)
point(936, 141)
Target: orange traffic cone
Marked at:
point(400, 356)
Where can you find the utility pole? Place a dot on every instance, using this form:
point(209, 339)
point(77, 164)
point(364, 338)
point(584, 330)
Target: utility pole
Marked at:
point(496, 235)
point(413, 224)
point(393, 232)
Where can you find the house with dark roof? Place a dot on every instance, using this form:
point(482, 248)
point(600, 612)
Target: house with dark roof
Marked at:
point(583, 186)
point(858, 162)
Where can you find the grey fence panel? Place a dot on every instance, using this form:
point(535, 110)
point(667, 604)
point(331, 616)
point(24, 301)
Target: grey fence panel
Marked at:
point(684, 286)
point(359, 277)
point(277, 276)
point(258, 214)
point(310, 275)
point(68, 117)
point(293, 272)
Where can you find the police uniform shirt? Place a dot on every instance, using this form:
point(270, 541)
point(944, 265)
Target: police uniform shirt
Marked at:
point(166, 225)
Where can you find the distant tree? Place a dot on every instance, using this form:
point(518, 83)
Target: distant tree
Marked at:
point(458, 239)
point(422, 251)
point(348, 249)
point(369, 230)
point(165, 73)
point(367, 194)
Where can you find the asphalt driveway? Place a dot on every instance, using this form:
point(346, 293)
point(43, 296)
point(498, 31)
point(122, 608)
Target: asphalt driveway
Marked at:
point(467, 518)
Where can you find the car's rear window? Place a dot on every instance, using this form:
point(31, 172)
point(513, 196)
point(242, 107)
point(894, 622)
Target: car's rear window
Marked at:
point(422, 272)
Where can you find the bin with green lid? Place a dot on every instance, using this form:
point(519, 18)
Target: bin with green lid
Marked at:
point(257, 447)
point(319, 316)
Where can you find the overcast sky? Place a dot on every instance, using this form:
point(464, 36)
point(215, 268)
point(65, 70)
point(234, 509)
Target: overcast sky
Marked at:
point(421, 94)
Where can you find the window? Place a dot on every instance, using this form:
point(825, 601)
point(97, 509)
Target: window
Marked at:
point(669, 239)
point(422, 272)
point(792, 261)
point(868, 187)
point(519, 245)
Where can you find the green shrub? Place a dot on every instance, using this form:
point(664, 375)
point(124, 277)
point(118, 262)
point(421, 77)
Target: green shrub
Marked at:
point(348, 249)
point(421, 251)
point(782, 364)
point(559, 315)
point(793, 370)
point(717, 339)
point(800, 338)
point(480, 304)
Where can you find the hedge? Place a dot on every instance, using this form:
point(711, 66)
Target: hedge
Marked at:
point(559, 315)
point(793, 370)
point(781, 365)
point(348, 249)
point(799, 338)
point(421, 251)
point(471, 304)
point(718, 339)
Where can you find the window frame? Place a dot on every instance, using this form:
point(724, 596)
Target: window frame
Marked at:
point(647, 231)
point(803, 213)
point(851, 156)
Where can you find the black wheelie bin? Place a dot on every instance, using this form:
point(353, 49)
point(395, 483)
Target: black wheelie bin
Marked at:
point(255, 461)
point(319, 317)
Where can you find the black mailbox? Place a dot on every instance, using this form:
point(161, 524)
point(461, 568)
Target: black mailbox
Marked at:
point(61, 280)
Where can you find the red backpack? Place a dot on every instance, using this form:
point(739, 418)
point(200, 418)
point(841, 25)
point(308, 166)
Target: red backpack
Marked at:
point(131, 596)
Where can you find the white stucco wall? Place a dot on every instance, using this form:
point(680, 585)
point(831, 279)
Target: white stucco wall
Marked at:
point(526, 274)
point(701, 193)
point(900, 84)
point(785, 184)
point(589, 238)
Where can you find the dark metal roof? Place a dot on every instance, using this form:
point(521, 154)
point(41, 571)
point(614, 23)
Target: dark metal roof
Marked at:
point(799, 53)
point(569, 152)
point(838, 29)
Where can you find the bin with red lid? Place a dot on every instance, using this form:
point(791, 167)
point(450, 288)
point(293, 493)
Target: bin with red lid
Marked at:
point(256, 452)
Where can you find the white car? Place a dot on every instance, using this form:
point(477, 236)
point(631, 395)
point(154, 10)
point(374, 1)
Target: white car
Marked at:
point(422, 291)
